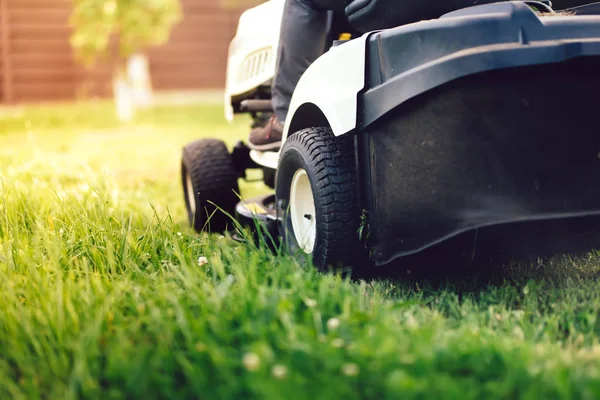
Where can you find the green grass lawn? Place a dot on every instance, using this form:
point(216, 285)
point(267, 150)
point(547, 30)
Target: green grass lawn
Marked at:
point(102, 294)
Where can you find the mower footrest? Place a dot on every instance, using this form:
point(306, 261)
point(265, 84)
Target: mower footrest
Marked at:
point(259, 216)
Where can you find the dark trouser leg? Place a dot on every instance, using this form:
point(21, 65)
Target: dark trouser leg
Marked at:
point(302, 41)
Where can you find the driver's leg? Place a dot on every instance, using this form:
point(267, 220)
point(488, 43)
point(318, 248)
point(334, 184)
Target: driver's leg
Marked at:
point(302, 41)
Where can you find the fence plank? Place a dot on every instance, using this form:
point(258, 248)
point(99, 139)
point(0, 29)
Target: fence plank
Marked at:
point(37, 62)
point(7, 90)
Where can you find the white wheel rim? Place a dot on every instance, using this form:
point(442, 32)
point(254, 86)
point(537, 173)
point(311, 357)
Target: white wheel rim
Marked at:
point(302, 211)
point(190, 193)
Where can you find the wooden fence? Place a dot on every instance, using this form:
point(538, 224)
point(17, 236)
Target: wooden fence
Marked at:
point(37, 64)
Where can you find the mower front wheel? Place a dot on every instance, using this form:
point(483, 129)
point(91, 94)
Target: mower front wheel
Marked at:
point(210, 185)
point(316, 194)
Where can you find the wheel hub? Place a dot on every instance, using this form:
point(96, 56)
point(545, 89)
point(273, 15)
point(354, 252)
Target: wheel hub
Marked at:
point(302, 211)
point(190, 193)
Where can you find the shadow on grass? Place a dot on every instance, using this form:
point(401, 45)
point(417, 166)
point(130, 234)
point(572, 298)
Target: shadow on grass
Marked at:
point(556, 252)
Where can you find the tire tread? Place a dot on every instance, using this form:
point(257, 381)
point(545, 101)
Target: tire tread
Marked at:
point(214, 179)
point(331, 160)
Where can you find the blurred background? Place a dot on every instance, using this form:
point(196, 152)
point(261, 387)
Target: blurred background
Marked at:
point(65, 49)
point(53, 49)
point(107, 92)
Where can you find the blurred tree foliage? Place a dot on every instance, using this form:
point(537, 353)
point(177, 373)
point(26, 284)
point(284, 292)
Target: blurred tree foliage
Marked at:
point(132, 25)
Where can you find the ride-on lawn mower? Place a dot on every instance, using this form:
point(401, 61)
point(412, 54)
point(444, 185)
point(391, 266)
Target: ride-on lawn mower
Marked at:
point(407, 133)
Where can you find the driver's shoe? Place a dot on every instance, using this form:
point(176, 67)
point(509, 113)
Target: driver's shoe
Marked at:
point(268, 137)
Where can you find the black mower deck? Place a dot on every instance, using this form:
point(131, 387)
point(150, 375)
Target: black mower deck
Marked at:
point(485, 120)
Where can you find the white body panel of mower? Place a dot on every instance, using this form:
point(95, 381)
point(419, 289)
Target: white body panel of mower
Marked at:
point(253, 52)
point(332, 84)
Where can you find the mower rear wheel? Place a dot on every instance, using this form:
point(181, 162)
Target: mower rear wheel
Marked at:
point(317, 201)
point(210, 185)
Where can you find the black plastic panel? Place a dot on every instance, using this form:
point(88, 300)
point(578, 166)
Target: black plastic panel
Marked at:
point(406, 61)
point(496, 147)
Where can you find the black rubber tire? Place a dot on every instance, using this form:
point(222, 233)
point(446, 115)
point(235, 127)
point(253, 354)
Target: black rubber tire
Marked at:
point(329, 164)
point(215, 182)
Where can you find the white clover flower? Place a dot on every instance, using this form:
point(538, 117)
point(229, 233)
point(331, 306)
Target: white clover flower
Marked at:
point(251, 361)
point(333, 323)
point(337, 342)
point(411, 322)
point(518, 333)
point(202, 261)
point(279, 371)
point(350, 369)
point(310, 303)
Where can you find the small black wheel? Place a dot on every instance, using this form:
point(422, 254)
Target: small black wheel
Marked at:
point(210, 185)
point(317, 200)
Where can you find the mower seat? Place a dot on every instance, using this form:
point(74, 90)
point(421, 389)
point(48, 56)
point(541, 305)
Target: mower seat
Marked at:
point(370, 15)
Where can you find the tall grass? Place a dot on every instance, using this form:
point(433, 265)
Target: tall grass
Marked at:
point(105, 293)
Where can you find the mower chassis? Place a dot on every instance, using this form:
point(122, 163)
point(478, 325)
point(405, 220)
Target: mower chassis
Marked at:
point(483, 117)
